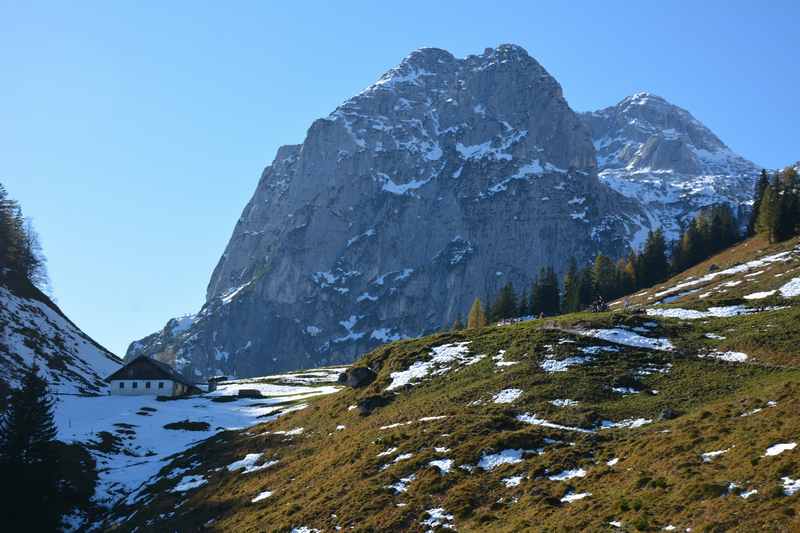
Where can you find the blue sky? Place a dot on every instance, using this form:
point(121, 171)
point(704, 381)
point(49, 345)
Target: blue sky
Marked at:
point(133, 133)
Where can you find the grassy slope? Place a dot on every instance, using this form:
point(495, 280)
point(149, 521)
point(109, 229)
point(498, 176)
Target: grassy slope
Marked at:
point(328, 477)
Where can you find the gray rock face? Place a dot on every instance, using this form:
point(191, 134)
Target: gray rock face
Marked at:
point(440, 182)
point(659, 155)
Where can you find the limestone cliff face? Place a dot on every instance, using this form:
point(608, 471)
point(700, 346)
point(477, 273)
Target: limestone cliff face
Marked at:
point(440, 182)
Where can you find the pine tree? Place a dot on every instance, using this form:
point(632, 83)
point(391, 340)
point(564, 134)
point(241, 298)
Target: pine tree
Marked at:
point(626, 272)
point(477, 316)
point(505, 306)
point(785, 217)
point(767, 212)
point(571, 298)
point(761, 187)
point(28, 456)
point(605, 277)
point(550, 297)
point(653, 266)
point(457, 325)
point(523, 307)
point(586, 292)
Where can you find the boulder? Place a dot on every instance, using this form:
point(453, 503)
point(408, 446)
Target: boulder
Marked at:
point(357, 377)
point(366, 405)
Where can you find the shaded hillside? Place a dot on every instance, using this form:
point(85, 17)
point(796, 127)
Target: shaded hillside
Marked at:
point(32, 326)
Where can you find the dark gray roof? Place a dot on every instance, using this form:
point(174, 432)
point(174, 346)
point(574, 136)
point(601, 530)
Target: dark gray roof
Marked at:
point(147, 368)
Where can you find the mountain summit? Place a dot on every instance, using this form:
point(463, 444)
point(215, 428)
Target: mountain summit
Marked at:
point(658, 154)
point(442, 181)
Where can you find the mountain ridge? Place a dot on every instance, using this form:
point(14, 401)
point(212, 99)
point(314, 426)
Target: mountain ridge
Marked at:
point(441, 181)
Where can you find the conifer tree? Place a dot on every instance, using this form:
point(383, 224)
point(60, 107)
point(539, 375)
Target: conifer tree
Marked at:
point(586, 292)
point(785, 217)
point(571, 299)
point(505, 306)
point(767, 213)
point(761, 187)
point(653, 266)
point(523, 307)
point(28, 456)
point(457, 325)
point(550, 297)
point(605, 277)
point(477, 316)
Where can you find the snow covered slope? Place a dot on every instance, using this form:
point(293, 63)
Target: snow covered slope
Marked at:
point(661, 156)
point(31, 326)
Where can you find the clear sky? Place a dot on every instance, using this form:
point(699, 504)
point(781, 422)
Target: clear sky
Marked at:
point(133, 133)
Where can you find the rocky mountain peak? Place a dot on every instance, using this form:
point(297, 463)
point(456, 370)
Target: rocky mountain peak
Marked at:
point(658, 154)
point(443, 180)
point(644, 132)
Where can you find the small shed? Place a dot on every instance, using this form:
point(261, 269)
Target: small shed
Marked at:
point(216, 380)
point(146, 376)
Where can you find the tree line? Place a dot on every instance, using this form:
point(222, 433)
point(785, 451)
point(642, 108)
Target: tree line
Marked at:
point(20, 252)
point(776, 212)
point(776, 206)
point(603, 280)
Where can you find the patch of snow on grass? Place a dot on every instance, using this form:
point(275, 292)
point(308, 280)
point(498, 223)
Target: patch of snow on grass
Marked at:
point(612, 462)
point(534, 420)
point(712, 312)
point(629, 338)
point(438, 518)
point(710, 456)
point(444, 465)
point(777, 449)
point(575, 496)
point(568, 474)
point(261, 496)
point(390, 451)
point(630, 423)
point(731, 357)
point(500, 361)
point(552, 365)
point(748, 493)
point(790, 290)
point(505, 457)
point(402, 485)
point(189, 482)
point(790, 486)
point(507, 396)
point(564, 403)
point(512, 481)
point(249, 464)
point(443, 357)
